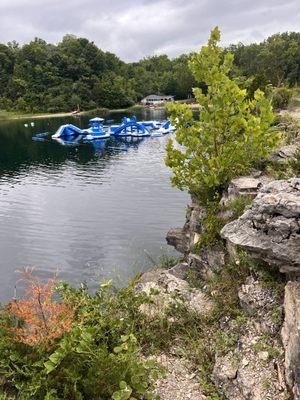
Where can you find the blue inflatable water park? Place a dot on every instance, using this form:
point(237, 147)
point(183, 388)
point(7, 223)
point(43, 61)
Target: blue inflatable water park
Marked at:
point(71, 135)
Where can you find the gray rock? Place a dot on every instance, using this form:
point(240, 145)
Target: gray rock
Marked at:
point(245, 185)
point(207, 261)
point(225, 369)
point(195, 220)
point(270, 228)
point(180, 239)
point(258, 300)
point(291, 337)
point(180, 270)
point(250, 371)
point(165, 288)
point(286, 153)
point(183, 239)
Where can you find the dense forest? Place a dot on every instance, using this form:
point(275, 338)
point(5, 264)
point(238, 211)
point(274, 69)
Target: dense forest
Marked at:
point(42, 77)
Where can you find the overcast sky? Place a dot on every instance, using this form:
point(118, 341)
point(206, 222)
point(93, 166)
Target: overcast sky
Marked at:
point(133, 29)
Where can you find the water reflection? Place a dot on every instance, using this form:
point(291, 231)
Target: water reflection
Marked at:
point(88, 212)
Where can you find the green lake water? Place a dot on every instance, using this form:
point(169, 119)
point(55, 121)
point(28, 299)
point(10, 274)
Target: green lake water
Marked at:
point(91, 214)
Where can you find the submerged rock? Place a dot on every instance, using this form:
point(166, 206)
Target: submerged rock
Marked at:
point(270, 228)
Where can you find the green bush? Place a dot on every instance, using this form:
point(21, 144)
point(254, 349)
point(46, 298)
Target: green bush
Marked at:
point(99, 358)
point(232, 131)
point(281, 97)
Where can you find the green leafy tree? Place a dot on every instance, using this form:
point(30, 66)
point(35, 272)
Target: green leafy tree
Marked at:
point(231, 133)
point(39, 76)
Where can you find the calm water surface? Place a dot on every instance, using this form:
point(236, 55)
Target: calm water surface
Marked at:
point(92, 215)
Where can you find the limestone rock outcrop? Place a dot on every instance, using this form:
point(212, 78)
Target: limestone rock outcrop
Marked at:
point(249, 371)
point(263, 365)
point(244, 186)
point(291, 337)
point(270, 228)
point(286, 153)
point(183, 239)
point(166, 287)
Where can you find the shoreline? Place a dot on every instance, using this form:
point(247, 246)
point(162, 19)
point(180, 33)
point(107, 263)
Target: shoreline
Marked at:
point(9, 116)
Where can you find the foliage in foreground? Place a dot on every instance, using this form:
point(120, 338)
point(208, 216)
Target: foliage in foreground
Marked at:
point(100, 356)
point(97, 357)
point(232, 131)
point(38, 319)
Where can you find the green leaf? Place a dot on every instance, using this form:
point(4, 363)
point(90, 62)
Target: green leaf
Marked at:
point(55, 358)
point(117, 395)
point(49, 366)
point(106, 284)
point(14, 357)
point(118, 349)
point(123, 385)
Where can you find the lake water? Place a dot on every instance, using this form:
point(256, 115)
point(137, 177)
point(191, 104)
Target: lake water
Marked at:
point(89, 214)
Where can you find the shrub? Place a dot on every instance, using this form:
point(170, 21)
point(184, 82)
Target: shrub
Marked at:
point(231, 133)
point(38, 319)
point(281, 97)
point(97, 357)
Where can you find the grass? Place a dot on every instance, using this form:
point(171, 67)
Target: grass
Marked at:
point(10, 115)
point(191, 335)
point(214, 221)
point(198, 338)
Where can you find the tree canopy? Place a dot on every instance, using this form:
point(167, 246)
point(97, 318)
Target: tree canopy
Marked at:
point(42, 77)
point(231, 133)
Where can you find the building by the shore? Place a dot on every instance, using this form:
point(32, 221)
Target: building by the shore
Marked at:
point(154, 100)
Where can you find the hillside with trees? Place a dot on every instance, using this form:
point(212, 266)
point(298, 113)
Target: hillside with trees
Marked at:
point(42, 77)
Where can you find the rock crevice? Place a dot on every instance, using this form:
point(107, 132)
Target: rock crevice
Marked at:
point(270, 228)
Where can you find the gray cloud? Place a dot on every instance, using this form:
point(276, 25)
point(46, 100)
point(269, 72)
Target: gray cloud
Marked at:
point(137, 28)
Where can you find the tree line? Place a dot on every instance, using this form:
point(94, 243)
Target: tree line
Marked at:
point(42, 77)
